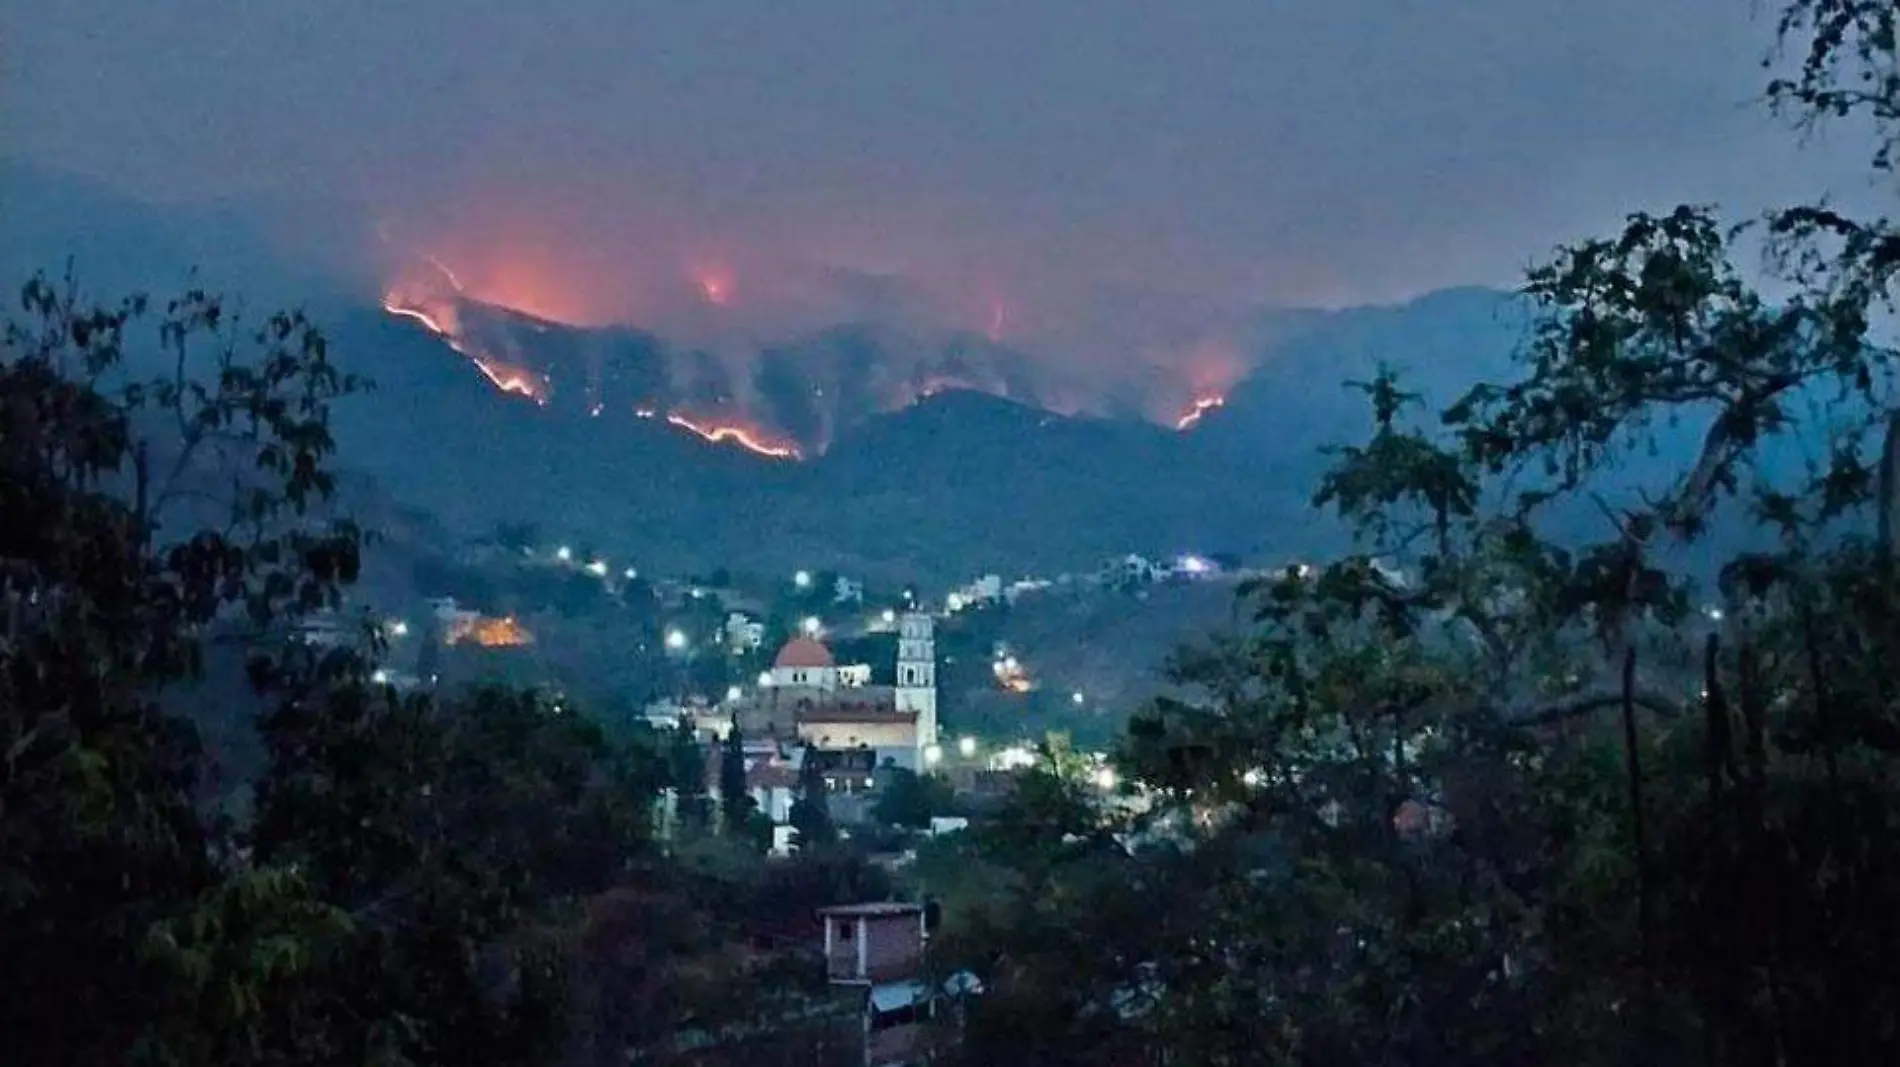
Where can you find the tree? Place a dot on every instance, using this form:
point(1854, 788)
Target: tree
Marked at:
point(143, 516)
point(910, 799)
point(1500, 787)
point(686, 763)
point(811, 812)
point(735, 800)
point(390, 894)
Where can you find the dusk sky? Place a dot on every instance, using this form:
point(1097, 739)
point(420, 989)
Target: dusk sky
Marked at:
point(1256, 150)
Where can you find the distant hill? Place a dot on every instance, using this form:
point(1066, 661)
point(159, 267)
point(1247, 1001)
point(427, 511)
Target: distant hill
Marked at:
point(927, 454)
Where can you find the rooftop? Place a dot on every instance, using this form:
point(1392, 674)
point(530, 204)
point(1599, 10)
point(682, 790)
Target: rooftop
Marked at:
point(803, 652)
point(876, 910)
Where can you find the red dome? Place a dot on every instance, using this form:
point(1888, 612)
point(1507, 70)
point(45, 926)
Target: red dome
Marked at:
point(803, 653)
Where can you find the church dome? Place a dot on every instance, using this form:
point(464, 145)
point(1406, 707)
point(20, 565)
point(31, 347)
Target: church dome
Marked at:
point(803, 652)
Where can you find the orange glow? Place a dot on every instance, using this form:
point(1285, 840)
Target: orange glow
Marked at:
point(422, 317)
point(503, 632)
point(748, 439)
point(1193, 415)
point(715, 288)
point(439, 312)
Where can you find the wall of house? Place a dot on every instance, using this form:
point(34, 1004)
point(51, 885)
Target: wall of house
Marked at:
point(893, 947)
point(853, 734)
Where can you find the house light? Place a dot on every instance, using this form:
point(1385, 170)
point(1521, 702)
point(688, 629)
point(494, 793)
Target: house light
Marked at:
point(811, 625)
point(733, 693)
point(765, 679)
point(399, 628)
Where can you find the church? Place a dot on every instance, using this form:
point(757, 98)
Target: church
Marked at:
point(808, 698)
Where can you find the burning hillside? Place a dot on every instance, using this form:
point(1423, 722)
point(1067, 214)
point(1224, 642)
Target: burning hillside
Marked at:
point(783, 401)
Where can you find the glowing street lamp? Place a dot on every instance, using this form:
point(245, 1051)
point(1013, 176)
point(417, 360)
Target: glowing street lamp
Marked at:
point(675, 640)
point(1077, 697)
point(597, 568)
point(1106, 778)
point(564, 553)
point(933, 755)
point(966, 747)
point(630, 574)
point(399, 628)
point(733, 693)
point(889, 616)
point(811, 626)
point(379, 676)
point(802, 579)
point(765, 679)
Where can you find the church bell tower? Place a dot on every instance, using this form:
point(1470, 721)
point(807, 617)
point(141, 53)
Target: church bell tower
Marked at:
point(917, 675)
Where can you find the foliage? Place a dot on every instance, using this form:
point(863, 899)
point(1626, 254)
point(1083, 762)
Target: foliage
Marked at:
point(393, 893)
point(1475, 794)
point(811, 811)
point(910, 799)
point(736, 804)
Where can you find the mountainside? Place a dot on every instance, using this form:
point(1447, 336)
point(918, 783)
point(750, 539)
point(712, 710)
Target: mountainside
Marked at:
point(957, 481)
point(878, 447)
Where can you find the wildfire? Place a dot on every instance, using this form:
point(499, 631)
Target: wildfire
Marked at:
point(487, 632)
point(437, 313)
point(1193, 415)
point(747, 439)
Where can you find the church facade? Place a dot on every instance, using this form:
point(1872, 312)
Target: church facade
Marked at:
point(808, 698)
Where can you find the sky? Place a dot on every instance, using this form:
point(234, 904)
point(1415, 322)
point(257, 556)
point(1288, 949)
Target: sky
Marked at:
point(1013, 153)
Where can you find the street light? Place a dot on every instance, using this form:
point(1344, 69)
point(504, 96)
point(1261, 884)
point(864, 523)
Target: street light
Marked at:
point(933, 755)
point(379, 676)
point(802, 579)
point(564, 553)
point(630, 574)
point(966, 747)
point(889, 616)
point(597, 568)
point(399, 628)
point(765, 679)
point(1106, 778)
point(1077, 697)
point(811, 625)
point(675, 640)
point(733, 693)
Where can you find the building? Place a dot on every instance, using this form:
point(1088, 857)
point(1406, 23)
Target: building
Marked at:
point(880, 948)
point(808, 697)
point(804, 663)
point(743, 633)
